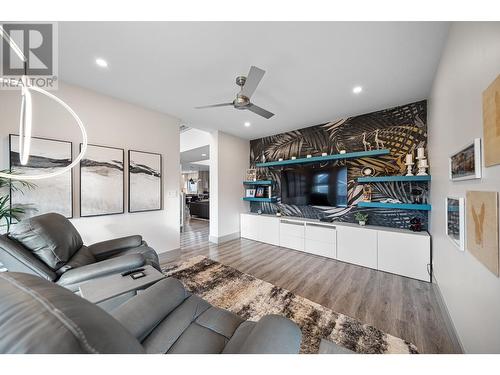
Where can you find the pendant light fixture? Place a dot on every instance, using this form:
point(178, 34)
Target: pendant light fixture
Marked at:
point(26, 117)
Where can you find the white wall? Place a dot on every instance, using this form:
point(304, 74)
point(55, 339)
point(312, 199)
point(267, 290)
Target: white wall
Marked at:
point(229, 160)
point(470, 62)
point(109, 122)
point(194, 138)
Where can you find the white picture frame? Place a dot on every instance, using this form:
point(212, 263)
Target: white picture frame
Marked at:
point(462, 162)
point(250, 193)
point(455, 221)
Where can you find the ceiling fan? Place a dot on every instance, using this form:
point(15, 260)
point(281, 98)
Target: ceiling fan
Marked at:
point(242, 100)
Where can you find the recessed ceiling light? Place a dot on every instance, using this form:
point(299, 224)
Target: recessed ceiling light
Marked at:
point(203, 154)
point(357, 89)
point(247, 124)
point(101, 62)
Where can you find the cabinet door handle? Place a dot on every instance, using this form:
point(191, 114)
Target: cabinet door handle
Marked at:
point(292, 222)
point(321, 225)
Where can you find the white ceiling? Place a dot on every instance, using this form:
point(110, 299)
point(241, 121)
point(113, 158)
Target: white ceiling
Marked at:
point(311, 67)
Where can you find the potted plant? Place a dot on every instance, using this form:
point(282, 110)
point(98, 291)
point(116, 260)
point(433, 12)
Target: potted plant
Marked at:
point(361, 218)
point(8, 213)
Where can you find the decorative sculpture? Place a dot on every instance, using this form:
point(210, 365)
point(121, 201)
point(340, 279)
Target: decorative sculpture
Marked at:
point(379, 143)
point(368, 146)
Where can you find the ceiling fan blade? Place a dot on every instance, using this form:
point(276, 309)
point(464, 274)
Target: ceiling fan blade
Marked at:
point(214, 105)
point(260, 111)
point(254, 76)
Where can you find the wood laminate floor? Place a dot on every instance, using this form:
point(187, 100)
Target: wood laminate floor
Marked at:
point(398, 305)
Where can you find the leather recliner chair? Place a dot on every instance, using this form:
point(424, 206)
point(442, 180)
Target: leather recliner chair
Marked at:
point(37, 316)
point(49, 246)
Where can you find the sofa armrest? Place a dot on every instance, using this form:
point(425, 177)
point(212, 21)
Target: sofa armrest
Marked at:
point(105, 249)
point(76, 276)
point(272, 334)
point(143, 312)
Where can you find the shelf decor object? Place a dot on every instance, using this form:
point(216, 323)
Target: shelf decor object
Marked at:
point(315, 159)
point(400, 206)
point(251, 175)
point(409, 164)
point(394, 179)
point(422, 164)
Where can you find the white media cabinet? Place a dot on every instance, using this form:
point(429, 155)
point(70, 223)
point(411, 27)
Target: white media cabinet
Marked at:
point(397, 251)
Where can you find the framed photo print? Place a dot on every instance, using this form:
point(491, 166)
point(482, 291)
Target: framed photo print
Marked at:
point(466, 163)
point(455, 221)
point(251, 175)
point(50, 194)
point(144, 181)
point(250, 193)
point(259, 192)
point(102, 181)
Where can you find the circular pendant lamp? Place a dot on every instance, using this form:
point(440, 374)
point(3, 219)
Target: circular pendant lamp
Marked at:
point(26, 120)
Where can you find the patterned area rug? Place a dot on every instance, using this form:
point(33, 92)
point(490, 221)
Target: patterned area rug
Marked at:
point(252, 298)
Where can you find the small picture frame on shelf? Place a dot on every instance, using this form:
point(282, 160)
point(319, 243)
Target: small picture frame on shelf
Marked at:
point(251, 175)
point(250, 193)
point(455, 221)
point(466, 163)
point(259, 192)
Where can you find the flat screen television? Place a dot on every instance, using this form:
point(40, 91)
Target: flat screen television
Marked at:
point(314, 186)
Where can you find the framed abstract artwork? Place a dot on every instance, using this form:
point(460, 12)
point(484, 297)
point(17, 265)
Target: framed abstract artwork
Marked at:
point(144, 181)
point(466, 163)
point(102, 181)
point(51, 194)
point(455, 221)
point(491, 123)
point(482, 227)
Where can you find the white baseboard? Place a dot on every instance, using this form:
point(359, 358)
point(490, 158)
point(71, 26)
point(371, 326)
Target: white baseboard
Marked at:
point(169, 256)
point(450, 327)
point(226, 238)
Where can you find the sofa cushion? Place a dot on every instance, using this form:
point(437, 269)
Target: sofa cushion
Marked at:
point(16, 258)
point(50, 237)
point(193, 327)
point(37, 316)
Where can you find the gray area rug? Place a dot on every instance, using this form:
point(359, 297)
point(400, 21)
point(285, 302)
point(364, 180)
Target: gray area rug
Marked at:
point(252, 298)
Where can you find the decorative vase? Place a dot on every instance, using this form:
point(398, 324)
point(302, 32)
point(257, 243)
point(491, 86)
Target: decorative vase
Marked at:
point(362, 223)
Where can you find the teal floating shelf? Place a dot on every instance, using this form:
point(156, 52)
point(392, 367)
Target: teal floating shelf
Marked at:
point(269, 200)
point(400, 206)
point(316, 159)
point(261, 182)
point(393, 178)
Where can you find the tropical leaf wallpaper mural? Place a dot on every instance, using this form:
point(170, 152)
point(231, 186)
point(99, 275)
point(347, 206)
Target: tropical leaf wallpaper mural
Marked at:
point(400, 129)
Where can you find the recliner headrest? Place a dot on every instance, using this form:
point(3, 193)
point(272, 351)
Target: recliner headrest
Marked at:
point(50, 237)
point(38, 316)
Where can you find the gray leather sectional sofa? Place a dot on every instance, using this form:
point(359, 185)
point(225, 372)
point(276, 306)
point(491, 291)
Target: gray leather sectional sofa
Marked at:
point(50, 247)
point(38, 316)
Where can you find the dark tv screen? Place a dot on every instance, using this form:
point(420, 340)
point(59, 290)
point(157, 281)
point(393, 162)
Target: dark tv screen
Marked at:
point(314, 186)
